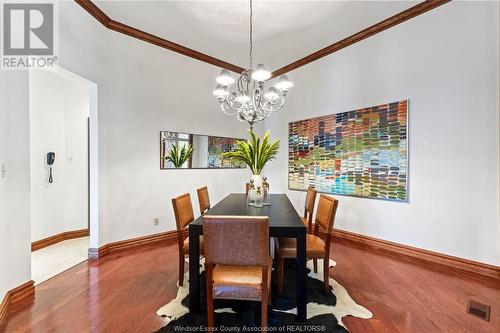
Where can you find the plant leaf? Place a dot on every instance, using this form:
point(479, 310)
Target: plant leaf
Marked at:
point(255, 152)
point(179, 156)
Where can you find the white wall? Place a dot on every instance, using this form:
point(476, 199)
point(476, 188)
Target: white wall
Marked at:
point(446, 62)
point(143, 89)
point(15, 248)
point(59, 107)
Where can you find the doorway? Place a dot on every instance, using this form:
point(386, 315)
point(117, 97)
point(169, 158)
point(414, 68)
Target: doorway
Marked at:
point(61, 113)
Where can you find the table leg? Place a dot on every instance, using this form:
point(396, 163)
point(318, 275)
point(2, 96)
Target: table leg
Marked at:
point(194, 271)
point(301, 276)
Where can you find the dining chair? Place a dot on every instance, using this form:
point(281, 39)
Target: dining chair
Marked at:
point(237, 261)
point(203, 199)
point(317, 247)
point(183, 210)
point(309, 208)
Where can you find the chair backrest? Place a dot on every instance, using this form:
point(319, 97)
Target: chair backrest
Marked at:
point(236, 240)
point(325, 214)
point(183, 210)
point(310, 201)
point(203, 199)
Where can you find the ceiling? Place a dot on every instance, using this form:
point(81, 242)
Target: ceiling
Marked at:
point(284, 31)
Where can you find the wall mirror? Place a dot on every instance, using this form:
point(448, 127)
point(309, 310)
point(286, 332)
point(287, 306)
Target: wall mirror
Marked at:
point(206, 151)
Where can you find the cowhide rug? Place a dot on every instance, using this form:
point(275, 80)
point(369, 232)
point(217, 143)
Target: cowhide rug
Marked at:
point(324, 311)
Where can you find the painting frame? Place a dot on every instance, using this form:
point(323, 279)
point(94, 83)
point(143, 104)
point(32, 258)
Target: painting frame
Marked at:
point(406, 155)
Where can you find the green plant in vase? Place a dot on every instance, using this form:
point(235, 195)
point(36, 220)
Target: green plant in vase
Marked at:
point(179, 156)
point(255, 153)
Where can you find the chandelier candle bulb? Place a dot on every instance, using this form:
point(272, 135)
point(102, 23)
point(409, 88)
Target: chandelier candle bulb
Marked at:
point(284, 83)
point(272, 94)
point(261, 74)
point(225, 79)
point(220, 92)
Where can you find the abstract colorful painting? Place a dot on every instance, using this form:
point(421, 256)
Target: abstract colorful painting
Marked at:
point(218, 145)
point(359, 153)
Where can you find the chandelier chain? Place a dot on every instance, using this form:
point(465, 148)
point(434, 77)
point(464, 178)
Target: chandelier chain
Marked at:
point(251, 34)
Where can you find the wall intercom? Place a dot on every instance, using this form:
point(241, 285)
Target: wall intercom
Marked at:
point(51, 158)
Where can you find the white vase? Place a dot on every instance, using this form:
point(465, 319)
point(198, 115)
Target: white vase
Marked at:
point(257, 181)
point(259, 190)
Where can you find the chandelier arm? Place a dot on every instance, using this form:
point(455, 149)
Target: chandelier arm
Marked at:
point(262, 97)
point(228, 109)
point(243, 83)
point(231, 99)
point(260, 116)
point(240, 85)
point(257, 98)
point(233, 108)
point(270, 109)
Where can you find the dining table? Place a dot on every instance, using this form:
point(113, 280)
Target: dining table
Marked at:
point(284, 221)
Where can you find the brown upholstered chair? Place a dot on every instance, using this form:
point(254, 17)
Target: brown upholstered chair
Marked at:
point(317, 244)
point(309, 208)
point(237, 261)
point(183, 210)
point(203, 199)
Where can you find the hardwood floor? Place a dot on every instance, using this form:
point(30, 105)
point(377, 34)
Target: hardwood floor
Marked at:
point(410, 296)
point(121, 293)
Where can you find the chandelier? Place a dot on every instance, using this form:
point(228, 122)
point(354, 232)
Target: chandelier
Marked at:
point(249, 101)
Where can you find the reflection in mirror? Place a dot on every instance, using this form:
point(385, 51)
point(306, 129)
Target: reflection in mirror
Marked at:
point(207, 151)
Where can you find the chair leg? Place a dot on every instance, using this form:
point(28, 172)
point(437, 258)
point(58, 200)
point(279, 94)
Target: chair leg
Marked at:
point(263, 322)
point(181, 269)
point(281, 267)
point(210, 313)
point(326, 274)
point(265, 299)
point(210, 298)
point(315, 264)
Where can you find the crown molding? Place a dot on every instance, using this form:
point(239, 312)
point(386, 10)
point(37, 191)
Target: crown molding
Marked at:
point(390, 22)
point(95, 11)
point(111, 24)
point(363, 34)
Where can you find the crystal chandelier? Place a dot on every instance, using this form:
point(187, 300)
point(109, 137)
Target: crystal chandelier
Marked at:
point(249, 102)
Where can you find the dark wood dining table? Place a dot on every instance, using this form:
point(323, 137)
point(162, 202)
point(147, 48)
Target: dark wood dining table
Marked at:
point(284, 221)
